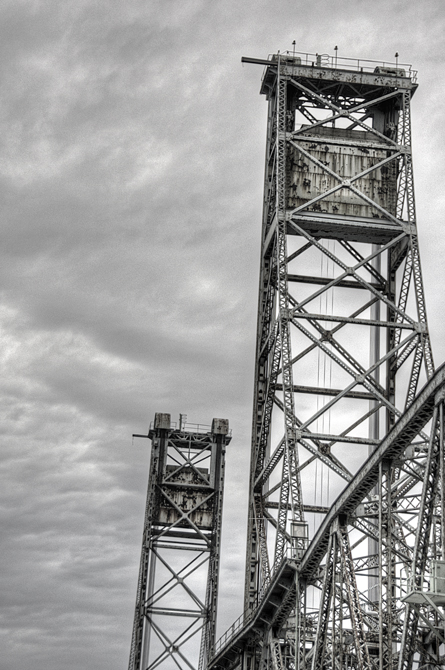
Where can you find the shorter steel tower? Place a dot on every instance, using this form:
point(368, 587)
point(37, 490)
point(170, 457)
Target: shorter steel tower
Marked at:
point(178, 575)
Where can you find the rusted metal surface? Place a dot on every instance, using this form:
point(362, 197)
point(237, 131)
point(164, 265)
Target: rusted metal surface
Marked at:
point(309, 178)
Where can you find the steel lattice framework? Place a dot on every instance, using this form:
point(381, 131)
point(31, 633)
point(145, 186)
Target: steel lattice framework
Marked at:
point(346, 544)
point(176, 600)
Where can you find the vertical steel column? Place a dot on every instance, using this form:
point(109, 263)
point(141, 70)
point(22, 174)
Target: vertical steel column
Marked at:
point(408, 646)
point(146, 574)
point(320, 650)
point(257, 560)
point(337, 606)
point(442, 481)
point(386, 567)
point(220, 440)
point(374, 420)
point(291, 484)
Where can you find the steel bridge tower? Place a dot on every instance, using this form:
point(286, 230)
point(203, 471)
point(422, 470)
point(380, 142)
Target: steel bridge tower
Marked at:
point(176, 600)
point(346, 544)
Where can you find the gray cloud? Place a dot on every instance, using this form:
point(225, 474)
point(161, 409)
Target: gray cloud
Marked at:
point(130, 183)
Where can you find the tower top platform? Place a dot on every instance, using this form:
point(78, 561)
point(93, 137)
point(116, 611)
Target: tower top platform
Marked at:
point(361, 73)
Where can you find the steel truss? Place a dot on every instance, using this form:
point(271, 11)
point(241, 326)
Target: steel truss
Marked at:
point(346, 486)
point(175, 614)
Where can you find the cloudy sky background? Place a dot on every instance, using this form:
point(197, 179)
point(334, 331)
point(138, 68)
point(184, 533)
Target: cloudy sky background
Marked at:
point(131, 186)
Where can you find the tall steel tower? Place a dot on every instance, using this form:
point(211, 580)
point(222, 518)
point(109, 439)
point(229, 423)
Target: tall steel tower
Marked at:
point(175, 614)
point(346, 544)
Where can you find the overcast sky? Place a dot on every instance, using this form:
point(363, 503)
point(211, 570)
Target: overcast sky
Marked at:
point(131, 185)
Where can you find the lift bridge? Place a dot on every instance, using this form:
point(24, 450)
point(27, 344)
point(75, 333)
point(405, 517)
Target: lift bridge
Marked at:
point(345, 562)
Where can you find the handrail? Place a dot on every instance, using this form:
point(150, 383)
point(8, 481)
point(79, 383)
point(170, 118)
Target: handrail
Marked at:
point(344, 63)
point(248, 614)
point(200, 428)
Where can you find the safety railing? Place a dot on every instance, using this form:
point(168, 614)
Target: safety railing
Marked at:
point(242, 620)
point(354, 64)
point(189, 427)
point(195, 428)
point(247, 615)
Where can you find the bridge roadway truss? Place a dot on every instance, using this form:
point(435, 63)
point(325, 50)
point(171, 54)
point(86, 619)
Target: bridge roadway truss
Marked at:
point(346, 501)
